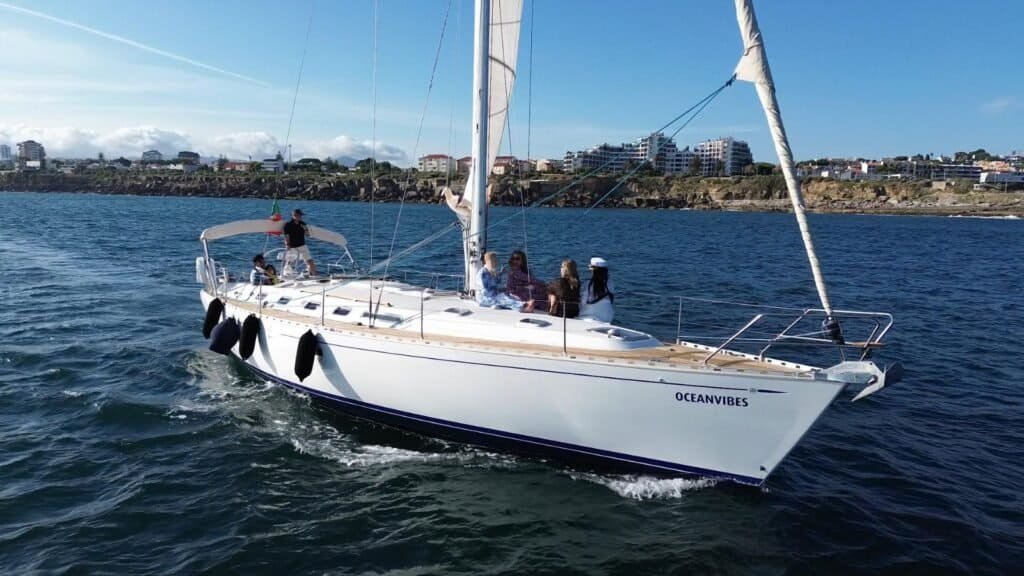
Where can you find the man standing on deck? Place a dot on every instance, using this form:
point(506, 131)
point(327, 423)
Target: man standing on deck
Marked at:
point(295, 231)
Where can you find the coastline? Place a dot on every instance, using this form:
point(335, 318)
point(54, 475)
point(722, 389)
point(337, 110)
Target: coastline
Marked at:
point(737, 193)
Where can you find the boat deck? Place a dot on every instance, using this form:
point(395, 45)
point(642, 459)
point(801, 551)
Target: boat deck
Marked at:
point(434, 326)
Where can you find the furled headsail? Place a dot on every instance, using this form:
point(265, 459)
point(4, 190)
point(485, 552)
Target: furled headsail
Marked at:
point(753, 67)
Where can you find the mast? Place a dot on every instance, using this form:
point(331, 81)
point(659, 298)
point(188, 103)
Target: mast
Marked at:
point(753, 67)
point(476, 186)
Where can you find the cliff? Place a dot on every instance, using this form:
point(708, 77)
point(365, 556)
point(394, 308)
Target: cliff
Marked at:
point(749, 193)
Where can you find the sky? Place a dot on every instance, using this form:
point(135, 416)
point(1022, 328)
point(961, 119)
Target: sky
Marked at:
point(869, 78)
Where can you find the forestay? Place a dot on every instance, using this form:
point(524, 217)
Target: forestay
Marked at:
point(753, 67)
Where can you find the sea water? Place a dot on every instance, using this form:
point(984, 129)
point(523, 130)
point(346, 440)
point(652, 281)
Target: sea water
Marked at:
point(127, 447)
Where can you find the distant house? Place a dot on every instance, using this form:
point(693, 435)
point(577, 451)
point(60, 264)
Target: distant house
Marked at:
point(184, 167)
point(548, 165)
point(435, 163)
point(153, 156)
point(187, 157)
point(464, 164)
point(273, 165)
point(232, 166)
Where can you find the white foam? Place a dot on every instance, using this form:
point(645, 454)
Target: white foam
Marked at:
point(646, 487)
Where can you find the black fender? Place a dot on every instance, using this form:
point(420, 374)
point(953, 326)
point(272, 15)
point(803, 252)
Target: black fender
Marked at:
point(224, 336)
point(250, 332)
point(213, 314)
point(306, 352)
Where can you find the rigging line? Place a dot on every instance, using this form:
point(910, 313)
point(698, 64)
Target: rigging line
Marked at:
point(454, 225)
point(451, 115)
point(529, 125)
point(373, 129)
point(298, 79)
point(622, 180)
point(607, 163)
point(416, 145)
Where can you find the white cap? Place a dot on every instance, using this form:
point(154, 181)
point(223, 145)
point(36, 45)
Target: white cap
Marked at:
point(598, 262)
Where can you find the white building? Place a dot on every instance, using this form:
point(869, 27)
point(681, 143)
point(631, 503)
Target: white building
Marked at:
point(658, 150)
point(5, 152)
point(273, 165)
point(152, 156)
point(723, 156)
point(1002, 178)
point(184, 167)
point(436, 163)
point(30, 150)
point(547, 165)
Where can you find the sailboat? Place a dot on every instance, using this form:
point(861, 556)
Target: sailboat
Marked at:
point(431, 360)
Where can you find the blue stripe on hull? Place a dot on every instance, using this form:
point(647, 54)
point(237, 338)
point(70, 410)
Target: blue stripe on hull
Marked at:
point(506, 441)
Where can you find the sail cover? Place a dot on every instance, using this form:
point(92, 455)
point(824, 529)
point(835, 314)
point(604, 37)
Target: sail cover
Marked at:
point(753, 67)
point(506, 19)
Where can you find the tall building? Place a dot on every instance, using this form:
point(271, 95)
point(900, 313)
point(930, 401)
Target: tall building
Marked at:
point(152, 156)
point(30, 150)
point(5, 152)
point(723, 156)
point(657, 149)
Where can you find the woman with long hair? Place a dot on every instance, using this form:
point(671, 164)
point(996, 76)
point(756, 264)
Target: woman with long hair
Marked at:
point(599, 297)
point(522, 284)
point(564, 292)
point(488, 293)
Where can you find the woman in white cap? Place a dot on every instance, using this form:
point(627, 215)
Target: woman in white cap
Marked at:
point(598, 301)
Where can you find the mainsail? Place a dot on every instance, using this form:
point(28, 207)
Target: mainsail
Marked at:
point(753, 67)
point(497, 32)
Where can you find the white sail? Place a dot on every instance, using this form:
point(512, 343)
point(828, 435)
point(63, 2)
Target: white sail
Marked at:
point(506, 18)
point(496, 50)
point(753, 67)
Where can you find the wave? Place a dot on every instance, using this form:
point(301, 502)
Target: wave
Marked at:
point(638, 487)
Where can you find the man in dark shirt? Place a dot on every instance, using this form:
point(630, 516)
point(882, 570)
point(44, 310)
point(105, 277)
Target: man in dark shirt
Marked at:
point(295, 231)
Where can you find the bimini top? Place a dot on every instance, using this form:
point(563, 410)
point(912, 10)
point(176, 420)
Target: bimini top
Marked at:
point(265, 226)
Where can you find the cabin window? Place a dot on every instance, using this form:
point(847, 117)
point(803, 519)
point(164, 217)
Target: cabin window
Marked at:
point(534, 322)
point(620, 333)
point(384, 317)
point(311, 306)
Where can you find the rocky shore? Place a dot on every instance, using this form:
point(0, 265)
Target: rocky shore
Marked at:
point(743, 193)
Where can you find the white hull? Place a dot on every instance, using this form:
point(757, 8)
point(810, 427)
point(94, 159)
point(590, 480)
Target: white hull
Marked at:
point(731, 424)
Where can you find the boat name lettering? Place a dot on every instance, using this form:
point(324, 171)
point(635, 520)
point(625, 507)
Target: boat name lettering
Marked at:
point(712, 399)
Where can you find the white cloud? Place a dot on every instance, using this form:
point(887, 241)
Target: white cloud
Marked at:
point(132, 141)
point(71, 142)
point(347, 146)
point(242, 145)
point(1000, 104)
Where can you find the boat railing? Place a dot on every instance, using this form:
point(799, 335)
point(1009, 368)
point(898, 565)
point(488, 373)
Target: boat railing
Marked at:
point(754, 329)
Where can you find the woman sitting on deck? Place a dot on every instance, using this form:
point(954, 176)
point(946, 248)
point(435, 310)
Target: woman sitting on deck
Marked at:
point(564, 292)
point(524, 285)
point(487, 293)
point(599, 297)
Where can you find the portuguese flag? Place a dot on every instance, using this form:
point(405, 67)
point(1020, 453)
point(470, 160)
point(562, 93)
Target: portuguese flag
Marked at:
point(275, 216)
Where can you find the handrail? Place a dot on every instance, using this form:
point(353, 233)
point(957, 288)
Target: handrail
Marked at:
point(721, 347)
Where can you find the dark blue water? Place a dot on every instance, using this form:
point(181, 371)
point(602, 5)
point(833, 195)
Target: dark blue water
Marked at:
point(127, 447)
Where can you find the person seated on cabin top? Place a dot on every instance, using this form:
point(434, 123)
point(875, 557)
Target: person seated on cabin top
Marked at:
point(599, 297)
point(524, 285)
point(564, 292)
point(262, 273)
point(295, 232)
point(487, 293)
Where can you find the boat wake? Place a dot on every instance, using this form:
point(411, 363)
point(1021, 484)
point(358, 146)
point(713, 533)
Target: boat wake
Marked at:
point(646, 487)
